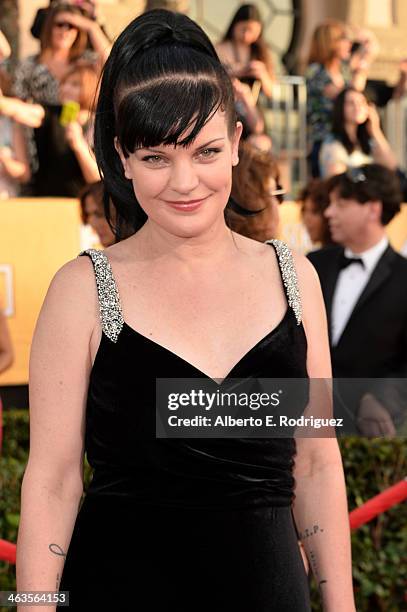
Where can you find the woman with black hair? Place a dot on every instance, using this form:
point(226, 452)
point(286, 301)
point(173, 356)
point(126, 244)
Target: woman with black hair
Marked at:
point(356, 138)
point(244, 52)
point(189, 523)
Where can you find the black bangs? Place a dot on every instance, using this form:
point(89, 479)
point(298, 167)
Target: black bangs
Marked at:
point(169, 97)
point(161, 112)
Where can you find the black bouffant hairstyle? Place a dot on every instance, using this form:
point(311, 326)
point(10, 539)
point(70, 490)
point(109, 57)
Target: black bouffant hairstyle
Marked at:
point(162, 77)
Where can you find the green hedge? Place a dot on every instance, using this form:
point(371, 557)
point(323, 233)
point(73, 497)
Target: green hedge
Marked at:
point(379, 548)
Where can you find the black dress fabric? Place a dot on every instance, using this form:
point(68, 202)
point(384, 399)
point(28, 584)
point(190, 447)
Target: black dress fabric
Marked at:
point(184, 524)
point(59, 173)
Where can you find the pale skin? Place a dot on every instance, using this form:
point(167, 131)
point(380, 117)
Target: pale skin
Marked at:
point(22, 112)
point(222, 279)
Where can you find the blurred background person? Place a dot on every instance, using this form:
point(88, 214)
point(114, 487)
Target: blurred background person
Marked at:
point(363, 282)
point(314, 200)
point(93, 214)
point(327, 74)
point(247, 110)
point(256, 194)
point(262, 141)
point(14, 164)
point(64, 40)
point(88, 8)
point(66, 162)
point(244, 52)
point(356, 138)
point(27, 114)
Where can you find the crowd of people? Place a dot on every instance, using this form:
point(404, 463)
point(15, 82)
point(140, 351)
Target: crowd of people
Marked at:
point(53, 143)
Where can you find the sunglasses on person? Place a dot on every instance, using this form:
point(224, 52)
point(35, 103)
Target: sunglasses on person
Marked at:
point(64, 25)
point(356, 175)
point(278, 193)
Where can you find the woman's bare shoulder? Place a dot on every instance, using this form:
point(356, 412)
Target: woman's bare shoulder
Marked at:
point(73, 289)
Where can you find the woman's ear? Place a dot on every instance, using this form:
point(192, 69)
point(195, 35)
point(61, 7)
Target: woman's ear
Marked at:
point(235, 143)
point(123, 159)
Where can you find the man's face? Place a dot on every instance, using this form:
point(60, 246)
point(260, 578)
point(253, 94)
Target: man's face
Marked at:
point(348, 220)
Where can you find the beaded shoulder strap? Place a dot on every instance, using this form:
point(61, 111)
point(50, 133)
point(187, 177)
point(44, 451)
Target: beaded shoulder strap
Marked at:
point(109, 300)
point(289, 276)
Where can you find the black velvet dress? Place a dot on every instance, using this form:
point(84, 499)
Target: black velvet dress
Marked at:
point(183, 525)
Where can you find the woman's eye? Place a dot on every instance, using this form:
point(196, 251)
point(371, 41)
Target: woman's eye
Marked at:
point(209, 153)
point(153, 159)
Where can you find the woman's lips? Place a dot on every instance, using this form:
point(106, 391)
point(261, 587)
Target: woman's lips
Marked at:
point(186, 205)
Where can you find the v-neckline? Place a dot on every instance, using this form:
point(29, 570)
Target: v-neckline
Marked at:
point(267, 336)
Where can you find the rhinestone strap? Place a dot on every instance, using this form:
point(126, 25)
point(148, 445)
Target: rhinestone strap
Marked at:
point(289, 276)
point(109, 300)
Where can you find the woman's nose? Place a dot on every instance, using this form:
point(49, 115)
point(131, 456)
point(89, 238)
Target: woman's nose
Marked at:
point(184, 177)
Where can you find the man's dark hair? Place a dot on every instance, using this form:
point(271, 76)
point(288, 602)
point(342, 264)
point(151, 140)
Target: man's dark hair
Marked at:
point(370, 183)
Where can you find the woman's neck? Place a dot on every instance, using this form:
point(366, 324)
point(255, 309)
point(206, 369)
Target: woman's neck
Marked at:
point(211, 248)
point(352, 131)
point(241, 50)
point(57, 55)
point(334, 65)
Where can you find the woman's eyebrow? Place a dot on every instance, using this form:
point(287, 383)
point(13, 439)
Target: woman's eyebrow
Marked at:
point(197, 148)
point(210, 142)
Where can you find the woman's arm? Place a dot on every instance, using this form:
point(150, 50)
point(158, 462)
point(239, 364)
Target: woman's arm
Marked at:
point(22, 112)
point(259, 70)
point(381, 149)
point(99, 41)
point(320, 505)
point(52, 486)
point(15, 163)
point(6, 347)
point(80, 146)
point(253, 116)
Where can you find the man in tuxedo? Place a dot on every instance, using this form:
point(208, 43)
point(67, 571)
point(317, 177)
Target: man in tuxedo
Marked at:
point(364, 283)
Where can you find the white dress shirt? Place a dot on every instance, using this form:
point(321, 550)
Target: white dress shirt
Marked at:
point(350, 284)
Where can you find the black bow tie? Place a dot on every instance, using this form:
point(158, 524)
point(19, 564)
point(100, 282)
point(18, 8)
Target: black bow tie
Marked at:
point(344, 261)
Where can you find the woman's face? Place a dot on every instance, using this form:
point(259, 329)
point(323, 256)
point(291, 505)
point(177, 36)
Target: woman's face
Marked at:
point(182, 190)
point(343, 46)
point(355, 109)
point(63, 34)
point(97, 220)
point(313, 220)
point(246, 32)
point(70, 89)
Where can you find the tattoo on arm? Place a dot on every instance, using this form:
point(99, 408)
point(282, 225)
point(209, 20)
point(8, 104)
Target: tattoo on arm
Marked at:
point(307, 533)
point(315, 570)
point(57, 550)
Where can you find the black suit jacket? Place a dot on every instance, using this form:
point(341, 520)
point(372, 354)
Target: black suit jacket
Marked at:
point(374, 341)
